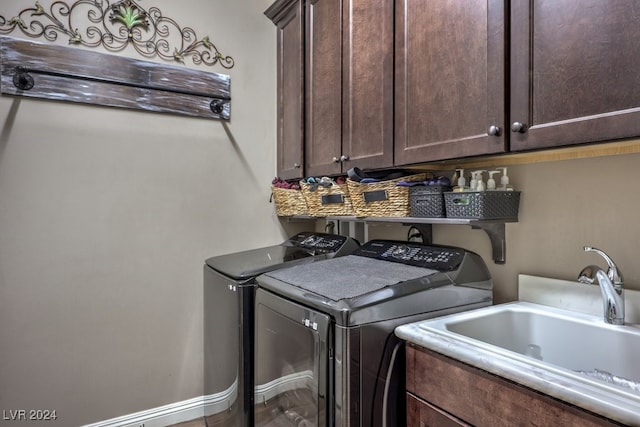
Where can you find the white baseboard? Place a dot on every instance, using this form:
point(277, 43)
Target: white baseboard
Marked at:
point(178, 412)
point(221, 401)
point(198, 407)
point(162, 416)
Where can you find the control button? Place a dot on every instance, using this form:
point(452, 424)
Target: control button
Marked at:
point(402, 252)
point(311, 240)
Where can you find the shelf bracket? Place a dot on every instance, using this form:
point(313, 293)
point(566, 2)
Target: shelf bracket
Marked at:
point(497, 236)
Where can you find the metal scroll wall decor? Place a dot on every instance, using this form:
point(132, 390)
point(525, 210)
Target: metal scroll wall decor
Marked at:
point(55, 72)
point(116, 26)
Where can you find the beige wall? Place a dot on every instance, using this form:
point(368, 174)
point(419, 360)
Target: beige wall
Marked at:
point(565, 205)
point(107, 215)
point(106, 218)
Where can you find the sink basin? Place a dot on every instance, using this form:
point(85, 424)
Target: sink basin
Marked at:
point(561, 338)
point(572, 356)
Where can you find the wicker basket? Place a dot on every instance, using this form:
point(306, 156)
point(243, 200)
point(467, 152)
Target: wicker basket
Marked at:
point(327, 201)
point(501, 205)
point(289, 202)
point(427, 201)
point(382, 199)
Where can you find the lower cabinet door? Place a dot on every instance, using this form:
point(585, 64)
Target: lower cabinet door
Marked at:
point(423, 414)
point(455, 391)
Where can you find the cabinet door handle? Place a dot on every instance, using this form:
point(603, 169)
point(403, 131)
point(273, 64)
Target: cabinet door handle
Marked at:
point(344, 158)
point(518, 127)
point(296, 166)
point(336, 160)
point(494, 130)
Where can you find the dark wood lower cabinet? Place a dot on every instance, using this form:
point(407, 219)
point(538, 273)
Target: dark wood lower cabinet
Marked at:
point(421, 413)
point(445, 392)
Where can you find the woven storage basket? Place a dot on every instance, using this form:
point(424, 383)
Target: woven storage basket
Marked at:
point(382, 199)
point(483, 205)
point(427, 201)
point(289, 202)
point(327, 201)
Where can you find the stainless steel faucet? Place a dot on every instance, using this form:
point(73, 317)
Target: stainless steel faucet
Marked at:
point(611, 286)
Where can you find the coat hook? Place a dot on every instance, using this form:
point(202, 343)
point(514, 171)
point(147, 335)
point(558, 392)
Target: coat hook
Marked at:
point(217, 106)
point(22, 79)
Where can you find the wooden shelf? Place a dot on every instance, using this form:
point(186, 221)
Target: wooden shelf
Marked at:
point(584, 151)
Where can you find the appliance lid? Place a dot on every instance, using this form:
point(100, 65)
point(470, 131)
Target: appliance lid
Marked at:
point(243, 265)
point(385, 280)
point(301, 248)
point(348, 277)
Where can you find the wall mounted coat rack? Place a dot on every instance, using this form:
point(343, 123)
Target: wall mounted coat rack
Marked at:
point(63, 73)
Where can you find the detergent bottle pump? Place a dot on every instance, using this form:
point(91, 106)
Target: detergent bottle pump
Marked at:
point(491, 183)
point(504, 181)
point(473, 184)
point(461, 181)
point(479, 182)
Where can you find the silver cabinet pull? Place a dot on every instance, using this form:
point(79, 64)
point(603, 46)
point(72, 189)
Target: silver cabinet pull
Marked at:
point(518, 127)
point(494, 130)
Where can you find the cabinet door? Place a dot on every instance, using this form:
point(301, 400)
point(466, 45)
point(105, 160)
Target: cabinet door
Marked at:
point(574, 72)
point(289, 19)
point(483, 399)
point(449, 79)
point(349, 116)
point(323, 136)
point(367, 76)
point(423, 414)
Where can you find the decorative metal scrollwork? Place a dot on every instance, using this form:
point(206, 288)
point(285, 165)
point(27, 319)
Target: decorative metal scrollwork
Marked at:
point(116, 26)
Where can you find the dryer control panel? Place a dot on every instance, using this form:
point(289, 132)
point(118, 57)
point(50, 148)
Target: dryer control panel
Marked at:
point(439, 258)
point(321, 242)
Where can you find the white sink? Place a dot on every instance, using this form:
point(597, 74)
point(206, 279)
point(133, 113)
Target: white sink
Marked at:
point(561, 338)
point(573, 356)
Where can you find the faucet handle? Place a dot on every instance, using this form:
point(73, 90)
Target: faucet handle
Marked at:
point(588, 275)
point(615, 275)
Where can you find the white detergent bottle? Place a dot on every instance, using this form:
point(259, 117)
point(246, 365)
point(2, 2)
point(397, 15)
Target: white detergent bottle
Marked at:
point(491, 183)
point(504, 181)
point(479, 182)
point(473, 184)
point(461, 181)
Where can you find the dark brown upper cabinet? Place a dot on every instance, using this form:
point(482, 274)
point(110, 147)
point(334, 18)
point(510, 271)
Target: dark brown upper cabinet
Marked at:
point(288, 15)
point(349, 85)
point(380, 83)
point(574, 72)
point(450, 71)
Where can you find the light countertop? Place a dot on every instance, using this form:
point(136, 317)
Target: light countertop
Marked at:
point(585, 300)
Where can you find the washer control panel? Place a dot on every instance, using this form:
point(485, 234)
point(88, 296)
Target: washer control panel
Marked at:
point(319, 242)
point(410, 253)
